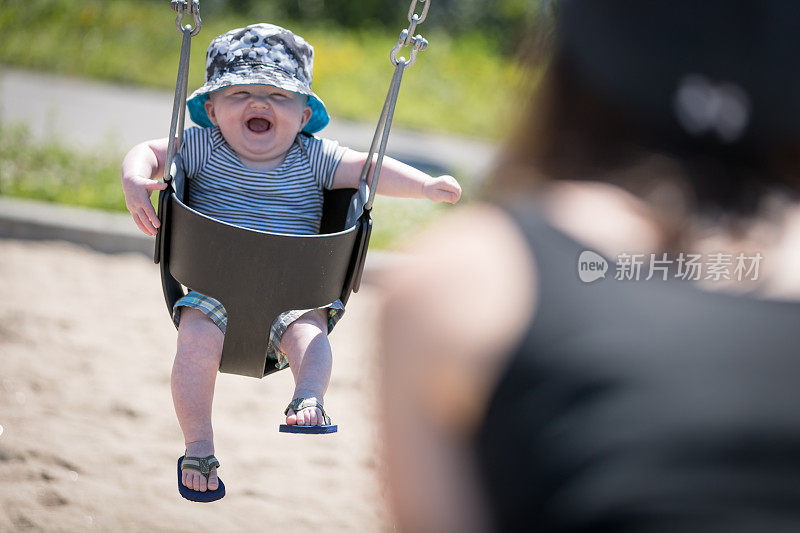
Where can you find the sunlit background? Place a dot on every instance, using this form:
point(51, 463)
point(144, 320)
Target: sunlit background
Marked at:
point(464, 88)
point(88, 438)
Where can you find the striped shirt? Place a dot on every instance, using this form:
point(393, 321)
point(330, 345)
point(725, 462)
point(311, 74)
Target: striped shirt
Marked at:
point(287, 199)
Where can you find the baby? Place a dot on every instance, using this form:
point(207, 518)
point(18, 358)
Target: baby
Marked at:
point(253, 162)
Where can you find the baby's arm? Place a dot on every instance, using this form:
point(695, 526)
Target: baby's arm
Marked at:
point(397, 179)
point(142, 166)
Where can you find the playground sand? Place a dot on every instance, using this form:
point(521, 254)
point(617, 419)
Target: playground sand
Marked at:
point(89, 437)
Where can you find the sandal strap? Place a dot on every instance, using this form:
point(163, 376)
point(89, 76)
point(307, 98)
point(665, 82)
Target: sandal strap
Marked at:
point(203, 464)
point(298, 404)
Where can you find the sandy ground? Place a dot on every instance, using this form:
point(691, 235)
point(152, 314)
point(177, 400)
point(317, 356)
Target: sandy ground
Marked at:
point(90, 439)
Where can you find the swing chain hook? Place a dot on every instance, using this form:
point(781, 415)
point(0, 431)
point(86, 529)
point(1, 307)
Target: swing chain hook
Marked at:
point(407, 37)
point(193, 7)
point(418, 44)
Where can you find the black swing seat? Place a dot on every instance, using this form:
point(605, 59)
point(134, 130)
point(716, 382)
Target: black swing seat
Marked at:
point(258, 275)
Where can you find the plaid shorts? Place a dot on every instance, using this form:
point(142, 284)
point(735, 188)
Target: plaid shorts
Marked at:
point(214, 310)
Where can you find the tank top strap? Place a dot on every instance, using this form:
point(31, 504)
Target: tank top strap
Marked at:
point(559, 285)
point(556, 253)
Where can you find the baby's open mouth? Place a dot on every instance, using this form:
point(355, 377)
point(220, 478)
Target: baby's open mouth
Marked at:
point(259, 125)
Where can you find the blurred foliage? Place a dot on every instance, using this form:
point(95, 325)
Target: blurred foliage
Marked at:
point(53, 173)
point(50, 172)
point(503, 21)
point(463, 83)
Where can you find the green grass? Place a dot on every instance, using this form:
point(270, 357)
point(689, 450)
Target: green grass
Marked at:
point(50, 172)
point(53, 173)
point(461, 85)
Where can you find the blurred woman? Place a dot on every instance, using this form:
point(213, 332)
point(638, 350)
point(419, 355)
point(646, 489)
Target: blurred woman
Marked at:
point(610, 341)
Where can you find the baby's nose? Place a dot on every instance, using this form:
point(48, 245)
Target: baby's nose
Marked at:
point(259, 102)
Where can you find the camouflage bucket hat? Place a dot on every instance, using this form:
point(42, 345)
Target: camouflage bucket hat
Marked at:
point(259, 54)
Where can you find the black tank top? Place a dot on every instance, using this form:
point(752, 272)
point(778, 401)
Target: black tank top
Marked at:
point(649, 406)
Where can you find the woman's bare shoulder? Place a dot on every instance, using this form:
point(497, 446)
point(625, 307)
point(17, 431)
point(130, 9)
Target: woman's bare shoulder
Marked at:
point(455, 309)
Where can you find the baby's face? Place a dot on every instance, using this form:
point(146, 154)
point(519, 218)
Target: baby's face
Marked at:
point(260, 122)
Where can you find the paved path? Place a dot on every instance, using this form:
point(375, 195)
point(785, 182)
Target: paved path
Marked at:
point(95, 115)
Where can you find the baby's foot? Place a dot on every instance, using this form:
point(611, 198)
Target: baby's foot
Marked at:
point(193, 478)
point(308, 416)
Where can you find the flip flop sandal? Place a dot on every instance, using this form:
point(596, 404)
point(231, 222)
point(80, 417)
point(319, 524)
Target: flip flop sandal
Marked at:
point(299, 404)
point(204, 465)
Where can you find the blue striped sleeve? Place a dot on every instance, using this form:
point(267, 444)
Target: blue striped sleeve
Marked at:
point(324, 155)
point(195, 150)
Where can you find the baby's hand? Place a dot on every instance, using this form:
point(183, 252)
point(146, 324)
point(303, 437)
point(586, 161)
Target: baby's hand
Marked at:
point(442, 189)
point(137, 199)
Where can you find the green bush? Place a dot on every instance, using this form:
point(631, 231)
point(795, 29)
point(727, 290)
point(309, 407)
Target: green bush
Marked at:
point(52, 173)
point(503, 20)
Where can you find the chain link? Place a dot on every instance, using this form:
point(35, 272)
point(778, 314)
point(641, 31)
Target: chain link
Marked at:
point(407, 37)
point(420, 18)
point(180, 7)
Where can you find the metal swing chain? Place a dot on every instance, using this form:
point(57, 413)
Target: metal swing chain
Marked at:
point(418, 44)
point(182, 83)
point(407, 37)
point(180, 7)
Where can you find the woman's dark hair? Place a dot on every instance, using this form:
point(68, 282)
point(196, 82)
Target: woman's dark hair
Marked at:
point(573, 131)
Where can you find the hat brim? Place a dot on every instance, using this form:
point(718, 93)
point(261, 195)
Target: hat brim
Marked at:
point(197, 101)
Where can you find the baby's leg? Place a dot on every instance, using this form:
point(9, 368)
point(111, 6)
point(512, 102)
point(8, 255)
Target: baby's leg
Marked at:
point(194, 373)
point(306, 346)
